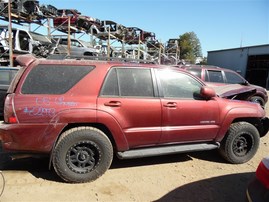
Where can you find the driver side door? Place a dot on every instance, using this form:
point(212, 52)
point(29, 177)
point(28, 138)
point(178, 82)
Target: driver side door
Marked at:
point(186, 116)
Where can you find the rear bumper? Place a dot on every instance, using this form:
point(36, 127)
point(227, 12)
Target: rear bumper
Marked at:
point(37, 138)
point(256, 192)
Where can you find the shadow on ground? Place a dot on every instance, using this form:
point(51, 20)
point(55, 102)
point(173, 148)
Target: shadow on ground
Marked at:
point(227, 188)
point(39, 167)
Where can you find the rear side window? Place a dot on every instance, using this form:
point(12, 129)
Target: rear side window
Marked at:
point(128, 82)
point(53, 79)
point(215, 76)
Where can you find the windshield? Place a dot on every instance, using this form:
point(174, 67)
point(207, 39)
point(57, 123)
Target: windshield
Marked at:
point(39, 37)
point(86, 44)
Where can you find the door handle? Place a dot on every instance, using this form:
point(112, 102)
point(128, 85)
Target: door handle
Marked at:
point(113, 103)
point(170, 105)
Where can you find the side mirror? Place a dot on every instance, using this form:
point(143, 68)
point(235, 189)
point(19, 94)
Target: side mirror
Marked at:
point(207, 92)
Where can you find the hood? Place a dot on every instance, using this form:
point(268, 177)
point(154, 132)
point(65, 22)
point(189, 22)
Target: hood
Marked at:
point(235, 91)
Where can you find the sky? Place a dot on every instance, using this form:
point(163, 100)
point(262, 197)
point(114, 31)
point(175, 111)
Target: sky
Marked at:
point(218, 24)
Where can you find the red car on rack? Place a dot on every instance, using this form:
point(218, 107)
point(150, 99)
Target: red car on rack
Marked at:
point(76, 20)
point(136, 35)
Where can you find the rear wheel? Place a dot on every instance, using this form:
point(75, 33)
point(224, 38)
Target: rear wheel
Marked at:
point(240, 143)
point(82, 154)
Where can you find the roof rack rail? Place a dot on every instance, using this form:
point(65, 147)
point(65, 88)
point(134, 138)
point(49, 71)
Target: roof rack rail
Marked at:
point(101, 58)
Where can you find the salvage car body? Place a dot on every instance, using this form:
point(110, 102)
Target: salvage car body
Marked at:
point(25, 42)
point(172, 46)
point(77, 47)
point(112, 28)
point(136, 35)
point(28, 10)
point(90, 24)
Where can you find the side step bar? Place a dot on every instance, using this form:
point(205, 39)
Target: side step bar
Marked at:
point(164, 150)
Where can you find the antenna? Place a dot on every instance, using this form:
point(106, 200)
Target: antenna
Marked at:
point(241, 41)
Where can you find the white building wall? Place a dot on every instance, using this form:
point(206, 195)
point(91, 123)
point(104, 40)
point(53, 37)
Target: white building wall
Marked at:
point(235, 59)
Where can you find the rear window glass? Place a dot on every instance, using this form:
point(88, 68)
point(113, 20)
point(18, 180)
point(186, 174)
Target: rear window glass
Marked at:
point(52, 79)
point(215, 76)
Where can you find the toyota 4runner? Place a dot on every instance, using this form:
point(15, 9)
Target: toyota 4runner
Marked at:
point(82, 112)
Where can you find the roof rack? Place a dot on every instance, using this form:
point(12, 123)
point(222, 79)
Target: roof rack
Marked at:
point(99, 58)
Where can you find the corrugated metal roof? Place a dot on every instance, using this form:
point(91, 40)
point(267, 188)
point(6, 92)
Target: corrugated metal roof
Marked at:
point(257, 46)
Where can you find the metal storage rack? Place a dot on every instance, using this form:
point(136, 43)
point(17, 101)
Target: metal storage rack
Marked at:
point(152, 50)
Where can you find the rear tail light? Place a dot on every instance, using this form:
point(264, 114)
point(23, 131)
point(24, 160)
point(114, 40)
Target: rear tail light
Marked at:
point(262, 172)
point(9, 112)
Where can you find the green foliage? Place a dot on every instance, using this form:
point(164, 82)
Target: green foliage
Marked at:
point(190, 47)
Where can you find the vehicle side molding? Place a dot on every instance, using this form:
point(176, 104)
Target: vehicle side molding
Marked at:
point(164, 150)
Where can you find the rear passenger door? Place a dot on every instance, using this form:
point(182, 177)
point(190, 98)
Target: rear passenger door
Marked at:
point(129, 96)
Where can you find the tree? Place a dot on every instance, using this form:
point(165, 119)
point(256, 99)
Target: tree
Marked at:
point(190, 47)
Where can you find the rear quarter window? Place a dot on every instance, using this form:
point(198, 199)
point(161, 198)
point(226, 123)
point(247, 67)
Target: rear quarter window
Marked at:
point(53, 79)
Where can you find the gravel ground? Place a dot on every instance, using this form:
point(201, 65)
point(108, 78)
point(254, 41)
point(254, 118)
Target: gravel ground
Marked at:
point(191, 177)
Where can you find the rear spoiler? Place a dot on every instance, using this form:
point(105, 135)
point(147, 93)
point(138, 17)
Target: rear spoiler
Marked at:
point(25, 60)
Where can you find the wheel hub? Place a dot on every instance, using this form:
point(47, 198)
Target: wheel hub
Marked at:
point(83, 157)
point(241, 145)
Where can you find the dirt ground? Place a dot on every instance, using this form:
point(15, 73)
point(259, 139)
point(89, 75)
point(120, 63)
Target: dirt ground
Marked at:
point(191, 177)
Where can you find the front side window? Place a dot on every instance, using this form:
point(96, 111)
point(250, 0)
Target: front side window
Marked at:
point(53, 79)
point(196, 72)
point(234, 78)
point(178, 85)
point(128, 82)
point(215, 76)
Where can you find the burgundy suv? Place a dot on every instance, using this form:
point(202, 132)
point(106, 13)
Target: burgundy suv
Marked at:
point(82, 112)
point(215, 76)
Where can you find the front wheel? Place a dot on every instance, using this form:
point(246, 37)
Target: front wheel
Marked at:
point(240, 143)
point(82, 154)
point(257, 99)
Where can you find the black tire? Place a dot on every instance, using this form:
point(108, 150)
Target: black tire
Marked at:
point(82, 154)
point(257, 99)
point(240, 143)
